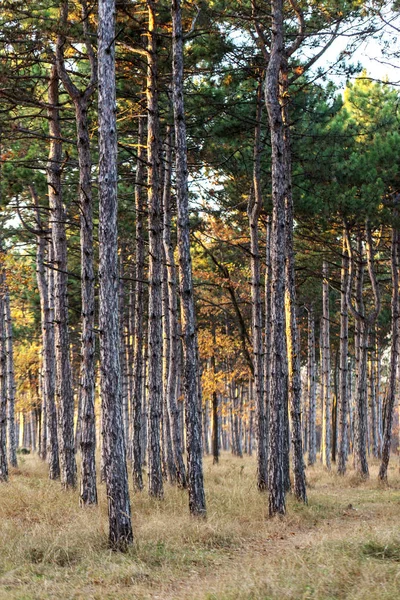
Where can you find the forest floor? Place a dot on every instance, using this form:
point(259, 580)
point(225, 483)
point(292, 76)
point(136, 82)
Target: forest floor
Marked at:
point(344, 544)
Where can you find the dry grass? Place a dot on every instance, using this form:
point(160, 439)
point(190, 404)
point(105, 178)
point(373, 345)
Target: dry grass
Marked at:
point(344, 544)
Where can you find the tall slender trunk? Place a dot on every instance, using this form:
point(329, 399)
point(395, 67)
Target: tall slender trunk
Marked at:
point(312, 400)
point(3, 384)
point(138, 338)
point(116, 476)
point(278, 393)
point(326, 371)
point(373, 403)
point(268, 329)
point(292, 332)
point(197, 502)
point(64, 391)
point(86, 416)
point(394, 356)
point(215, 417)
point(12, 448)
point(253, 212)
point(343, 368)
point(378, 375)
point(48, 338)
point(171, 389)
point(364, 323)
point(168, 456)
point(155, 262)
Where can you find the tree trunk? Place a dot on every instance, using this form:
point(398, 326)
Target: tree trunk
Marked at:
point(215, 417)
point(278, 393)
point(138, 338)
point(292, 332)
point(3, 385)
point(343, 369)
point(312, 401)
point(86, 416)
point(155, 263)
point(394, 357)
point(171, 389)
point(64, 391)
point(253, 212)
point(119, 510)
point(197, 503)
point(12, 448)
point(268, 329)
point(364, 323)
point(326, 371)
point(49, 365)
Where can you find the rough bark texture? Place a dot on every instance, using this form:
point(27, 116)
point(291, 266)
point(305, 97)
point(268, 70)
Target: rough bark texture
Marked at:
point(292, 332)
point(364, 323)
point(197, 503)
point(50, 370)
point(215, 416)
point(3, 385)
point(137, 383)
point(171, 388)
point(312, 402)
point(86, 416)
point(253, 212)
point(268, 329)
point(64, 391)
point(116, 476)
point(394, 356)
point(326, 372)
point(12, 447)
point(155, 264)
point(278, 394)
point(343, 361)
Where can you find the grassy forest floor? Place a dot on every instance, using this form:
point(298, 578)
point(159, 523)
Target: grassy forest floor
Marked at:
point(344, 544)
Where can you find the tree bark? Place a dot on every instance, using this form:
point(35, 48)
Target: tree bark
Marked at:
point(278, 395)
point(364, 322)
point(116, 477)
point(155, 263)
point(312, 404)
point(197, 503)
point(138, 337)
point(64, 391)
point(171, 388)
point(292, 332)
point(326, 371)
point(394, 356)
point(12, 448)
point(3, 383)
point(343, 362)
point(253, 212)
point(86, 416)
